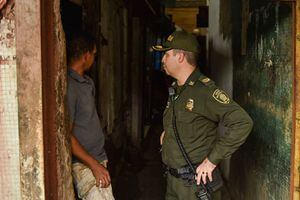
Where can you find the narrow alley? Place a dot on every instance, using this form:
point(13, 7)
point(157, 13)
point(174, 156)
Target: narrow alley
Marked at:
point(249, 50)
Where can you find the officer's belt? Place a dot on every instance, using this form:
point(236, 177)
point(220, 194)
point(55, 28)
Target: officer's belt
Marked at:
point(183, 172)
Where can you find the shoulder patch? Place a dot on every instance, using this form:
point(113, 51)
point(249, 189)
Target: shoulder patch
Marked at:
point(221, 96)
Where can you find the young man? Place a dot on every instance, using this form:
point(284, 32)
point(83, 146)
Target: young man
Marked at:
point(199, 106)
point(89, 159)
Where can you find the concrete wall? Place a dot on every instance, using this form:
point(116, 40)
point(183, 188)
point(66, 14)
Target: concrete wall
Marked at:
point(296, 141)
point(113, 76)
point(220, 54)
point(119, 72)
point(10, 185)
point(63, 141)
point(220, 51)
point(263, 85)
point(23, 129)
point(28, 42)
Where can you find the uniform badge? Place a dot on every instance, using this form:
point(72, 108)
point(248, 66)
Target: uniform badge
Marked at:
point(191, 83)
point(170, 38)
point(205, 80)
point(221, 96)
point(189, 104)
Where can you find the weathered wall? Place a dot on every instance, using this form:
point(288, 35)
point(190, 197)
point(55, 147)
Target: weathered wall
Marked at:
point(10, 186)
point(63, 146)
point(112, 75)
point(120, 60)
point(220, 53)
point(296, 161)
point(137, 68)
point(28, 38)
point(263, 85)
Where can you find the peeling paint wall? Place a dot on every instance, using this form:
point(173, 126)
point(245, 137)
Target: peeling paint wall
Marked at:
point(10, 186)
point(28, 36)
point(296, 150)
point(121, 71)
point(113, 70)
point(220, 54)
point(263, 85)
point(63, 145)
point(220, 45)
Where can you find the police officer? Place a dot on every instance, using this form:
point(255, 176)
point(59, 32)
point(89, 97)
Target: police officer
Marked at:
point(199, 106)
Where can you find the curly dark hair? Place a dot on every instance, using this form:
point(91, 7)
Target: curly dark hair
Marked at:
point(79, 44)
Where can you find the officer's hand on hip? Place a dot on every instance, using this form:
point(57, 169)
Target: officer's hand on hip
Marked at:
point(205, 170)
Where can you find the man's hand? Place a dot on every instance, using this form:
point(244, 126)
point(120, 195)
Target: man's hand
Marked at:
point(101, 175)
point(161, 139)
point(205, 170)
point(2, 3)
point(99, 171)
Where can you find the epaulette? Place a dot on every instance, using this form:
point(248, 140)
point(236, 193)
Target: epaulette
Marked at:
point(191, 83)
point(206, 81)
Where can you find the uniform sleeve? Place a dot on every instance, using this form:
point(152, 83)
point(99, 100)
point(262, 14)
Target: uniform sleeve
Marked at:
point(220, 108)
point(72, 102)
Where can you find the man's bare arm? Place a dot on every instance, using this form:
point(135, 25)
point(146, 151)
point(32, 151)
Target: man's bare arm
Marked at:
point(99, 171)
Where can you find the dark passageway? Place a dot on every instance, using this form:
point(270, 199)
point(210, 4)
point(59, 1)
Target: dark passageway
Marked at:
point(244, 46)
point(249, 55)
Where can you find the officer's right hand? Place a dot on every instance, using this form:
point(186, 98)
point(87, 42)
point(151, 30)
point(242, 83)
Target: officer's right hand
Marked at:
point(101, 175)
point(205, 170)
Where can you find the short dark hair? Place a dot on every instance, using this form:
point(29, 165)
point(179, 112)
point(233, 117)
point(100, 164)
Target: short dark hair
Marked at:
point(79, 44)
point(191, 57)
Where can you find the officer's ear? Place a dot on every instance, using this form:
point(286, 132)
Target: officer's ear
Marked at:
point(181, 57)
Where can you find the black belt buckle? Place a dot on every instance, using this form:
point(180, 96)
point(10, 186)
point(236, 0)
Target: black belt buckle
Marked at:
point(174, 172)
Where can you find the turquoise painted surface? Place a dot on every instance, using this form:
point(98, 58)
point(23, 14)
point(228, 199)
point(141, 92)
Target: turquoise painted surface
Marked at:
point(263, 81)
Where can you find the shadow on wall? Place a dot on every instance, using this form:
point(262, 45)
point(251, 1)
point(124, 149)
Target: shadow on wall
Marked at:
point(263, 82)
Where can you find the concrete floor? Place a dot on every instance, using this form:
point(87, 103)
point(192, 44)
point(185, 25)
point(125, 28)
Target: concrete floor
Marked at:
point(141, 176)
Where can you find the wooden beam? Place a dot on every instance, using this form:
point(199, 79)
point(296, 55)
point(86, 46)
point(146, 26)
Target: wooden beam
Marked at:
point(49, 104)
point(295, 185)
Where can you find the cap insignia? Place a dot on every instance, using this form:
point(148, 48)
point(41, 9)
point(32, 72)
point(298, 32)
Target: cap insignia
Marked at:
point(221, 96)
point(189, 104)
point(170, 38)
point(173, 84)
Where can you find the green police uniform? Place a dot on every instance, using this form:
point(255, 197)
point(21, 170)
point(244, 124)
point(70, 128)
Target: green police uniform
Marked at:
point(199, 107)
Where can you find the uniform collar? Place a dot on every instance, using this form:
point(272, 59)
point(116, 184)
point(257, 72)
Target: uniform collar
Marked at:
point(73, 74)
point(192, 78)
